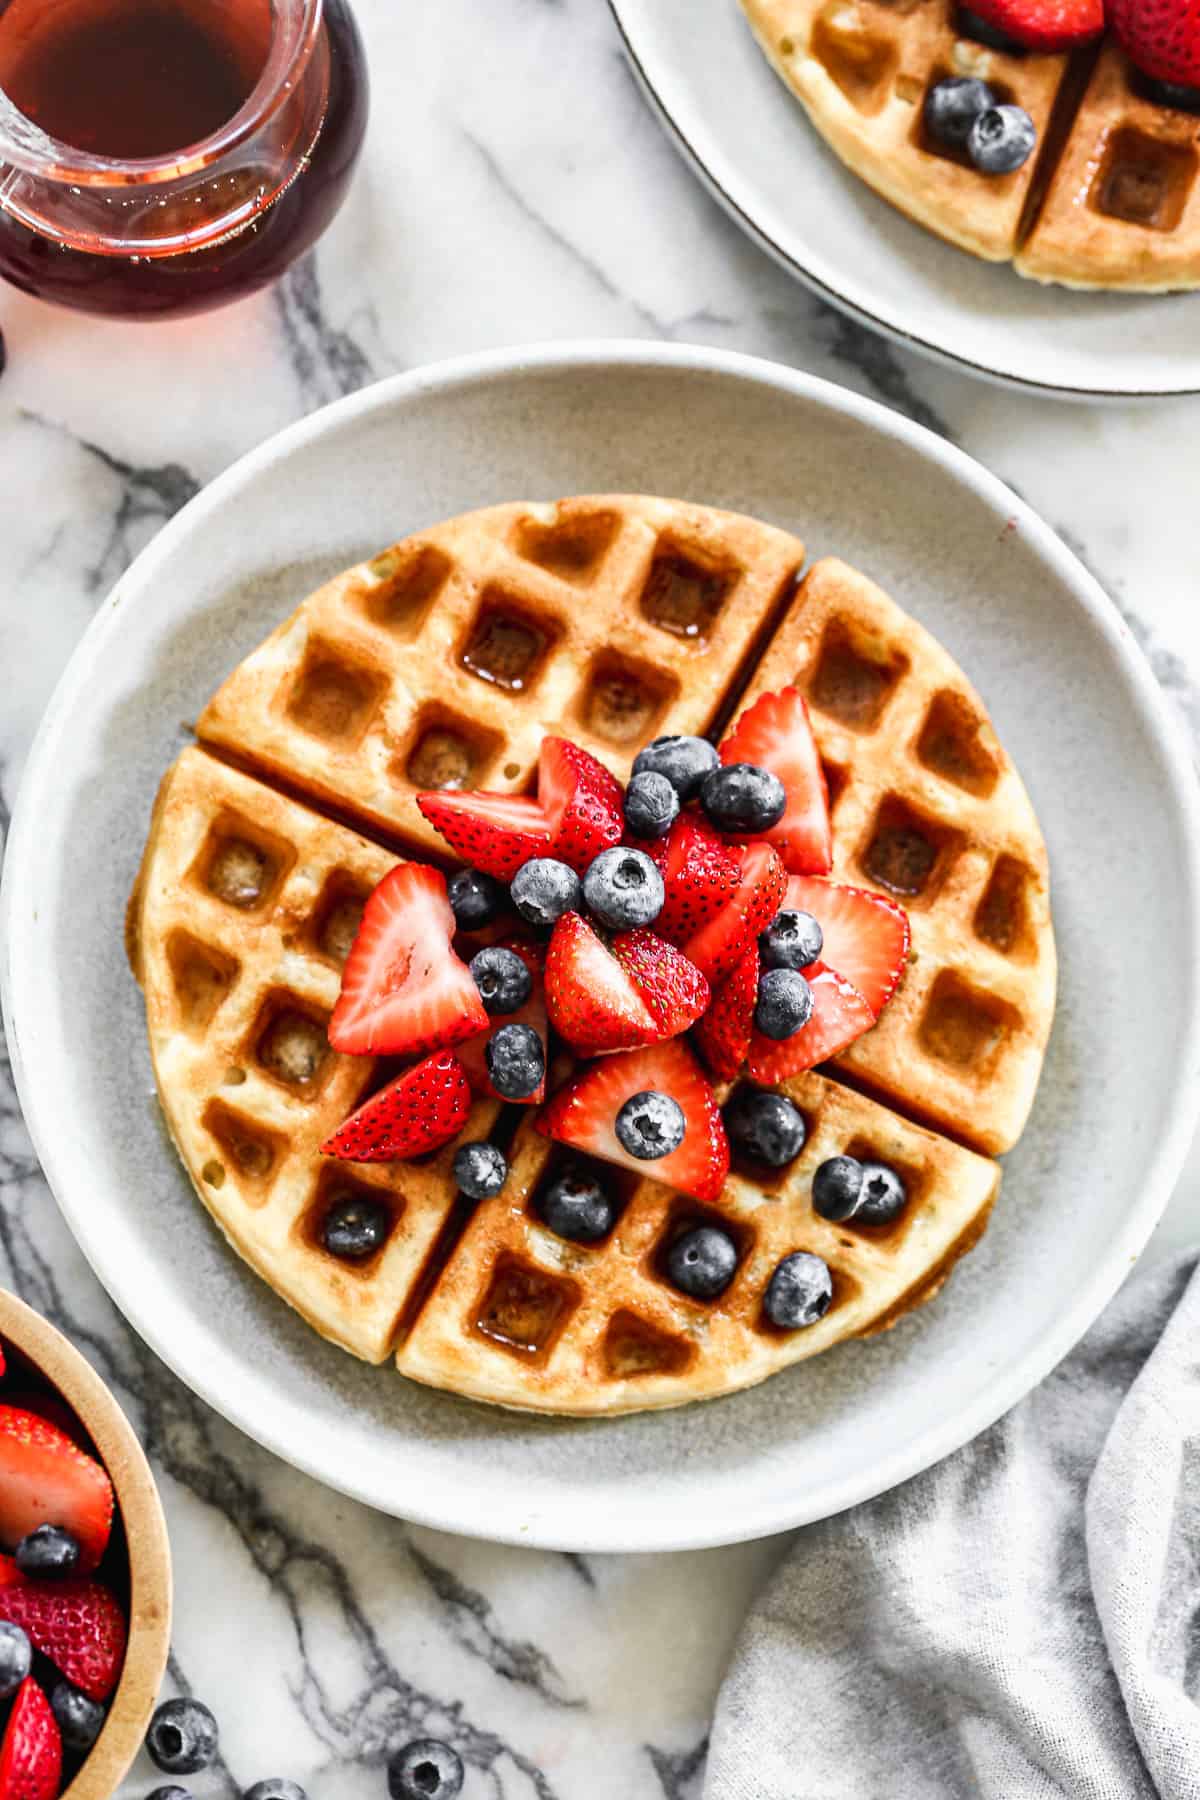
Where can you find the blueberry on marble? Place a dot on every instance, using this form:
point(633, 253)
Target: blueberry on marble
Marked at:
point(882, 1197)
point(516, 1062)
point(48, 1552)
point(784, 1005)
point(16, 1658)
point(765, 1126)
point(742, 798)
point(275, 1788)
point(624, 889)
point(425, 1770)
point(355, 1227)
point(576, 1205)
point(170, 1793)
point(544, 889)
point(702, 1262)
point(476, 899)
point(792, 940)
point(480, 1170)
point(799, 1292)
point(1001, 140)
point(79, 1719)
point(651, 805)
point(837, 1188)
point(649, 1125)
point(684, 761)
point(952, 107)
point(182, 1737)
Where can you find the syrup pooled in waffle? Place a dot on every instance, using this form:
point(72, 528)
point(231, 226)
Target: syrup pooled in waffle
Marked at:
point(523, 1318)
point(444, 661)
point(1109, 197)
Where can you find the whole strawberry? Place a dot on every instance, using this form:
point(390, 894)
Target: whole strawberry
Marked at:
point(1161, 37)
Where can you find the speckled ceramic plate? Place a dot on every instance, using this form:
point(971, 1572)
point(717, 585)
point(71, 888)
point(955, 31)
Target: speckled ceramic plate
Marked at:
point(1071, 699)
point(747, 137)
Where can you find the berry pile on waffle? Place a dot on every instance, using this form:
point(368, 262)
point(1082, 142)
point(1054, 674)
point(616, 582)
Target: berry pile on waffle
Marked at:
point(534, 1106)
point(1060, 135)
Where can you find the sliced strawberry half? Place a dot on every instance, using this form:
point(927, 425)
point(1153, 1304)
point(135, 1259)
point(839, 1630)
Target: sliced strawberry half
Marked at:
point(494, 832)
point(723, 1034)
point(591, 1000)
point(582, 803)
point(404, 991)
point(700, 872)
point(1051, 24)
point(582, 1114)
point(78, 1624)
point(840, 1014)
point(775, 733)
point(419, 1111)
point(473, 1054)
point(31, 1754)
point(720, 945)
point(866, 937)
point(46, 1479)
point(672, 989)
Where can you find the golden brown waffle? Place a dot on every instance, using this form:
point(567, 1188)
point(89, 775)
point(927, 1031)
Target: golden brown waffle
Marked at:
point(928, 809)
point(447, 659)
point(1110, 197)
point(523, 1318)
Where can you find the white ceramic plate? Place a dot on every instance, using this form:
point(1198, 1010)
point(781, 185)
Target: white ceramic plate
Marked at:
point(1071, 699)
point(748, 138)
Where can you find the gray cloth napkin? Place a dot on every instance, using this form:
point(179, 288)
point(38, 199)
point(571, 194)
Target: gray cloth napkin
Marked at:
point(1021, 1622)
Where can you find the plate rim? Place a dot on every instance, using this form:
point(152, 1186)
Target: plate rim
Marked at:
point(896, 334)
point(777, 1512)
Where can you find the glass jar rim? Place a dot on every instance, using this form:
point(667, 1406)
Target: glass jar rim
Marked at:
point(24, 145)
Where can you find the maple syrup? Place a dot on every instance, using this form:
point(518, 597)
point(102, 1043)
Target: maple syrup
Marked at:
point(159, 157)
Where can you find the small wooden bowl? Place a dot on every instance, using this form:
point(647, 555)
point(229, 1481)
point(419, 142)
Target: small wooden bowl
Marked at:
point(65, 1370)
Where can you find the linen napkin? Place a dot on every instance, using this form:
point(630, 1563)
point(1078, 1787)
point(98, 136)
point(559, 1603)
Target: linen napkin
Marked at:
point(1021, 1622)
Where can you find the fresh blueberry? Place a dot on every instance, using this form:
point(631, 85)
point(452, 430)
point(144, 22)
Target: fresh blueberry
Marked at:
point(544, 889)
point(792, 940)
point(785, 1003)
point(16, 1658)
point(170, 1793)
point(883, 1196)
point(503, 979)
point(425, 1770)
point(476, 899)
point(480, 1170)
point(275, 1788)
point(651, 805)
point(47, 1552)
point(1170, 93)
point(79, 1719)
point(182, 1737)
point(515, 1061)
point(575, 1205)
point(702, 1262)
point(355, 1227)
point(982, 31)
point(765, 1126)
point(837, 1188)
point(799, 1292)
point(1001, 139)
point(623, 888)
point(952, 107)
point(685, 761)
point(650, 1125)
point(743, 798)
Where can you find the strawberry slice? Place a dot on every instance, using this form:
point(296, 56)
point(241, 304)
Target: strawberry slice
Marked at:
point(723, 1034)
point(494, 832)
point(581, 800)
point(775, 734)
point(671, 988)
point(46, 1479)
point(77, 1624)
point(1052, 24)
point(867, 938)
point(419, 1111)
point(700, 873)
point(582, 1113)
point(472, 1054)
point(404, 991)
point(719, 946)
point(840, 1014)
point(31, 1753)
point(591, 999)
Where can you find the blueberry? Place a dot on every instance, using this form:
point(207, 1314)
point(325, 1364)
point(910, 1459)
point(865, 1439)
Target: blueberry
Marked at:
point(883, 1195)
point(48, 1552)
point(503, 979)
point(79, 1719)
point(275, 1788)
point(182, 1737)
point(480, 1170)
point(170, 1793)
point(576, 1206)
point(355, 1227)
point(623, 888)
point(702, 1262)
point(16, 1658)
point(952, 107)
point(425, 1770)
point(765, 1126)
point(650, 1125)
point(651, 805)
point(982, 31)
point(743, 798)
point(544, 889)
point(515, 1061)
point(685, 761)
point(785, 1003)
point(837, 1188)
point(1170, 93)
point(792, 940)
point(1001, 139)
point(476, 899)
point(799, 1292)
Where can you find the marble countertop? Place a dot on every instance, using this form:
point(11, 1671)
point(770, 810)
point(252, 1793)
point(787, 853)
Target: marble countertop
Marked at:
point(514, 188)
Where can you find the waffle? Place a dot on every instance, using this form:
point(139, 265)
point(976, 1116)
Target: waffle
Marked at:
point(1108, 200)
